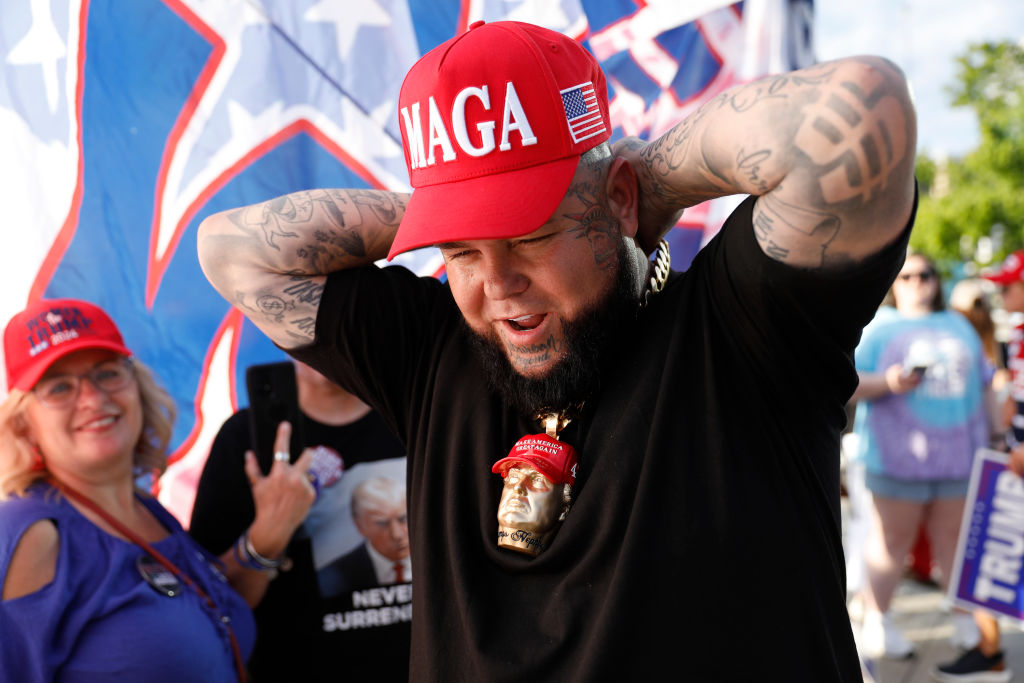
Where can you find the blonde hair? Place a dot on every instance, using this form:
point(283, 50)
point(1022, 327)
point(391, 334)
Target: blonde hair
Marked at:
point(21, 465)
point(970, 298)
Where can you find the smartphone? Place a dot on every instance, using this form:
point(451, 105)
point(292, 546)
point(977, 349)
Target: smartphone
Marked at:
point(273, 398)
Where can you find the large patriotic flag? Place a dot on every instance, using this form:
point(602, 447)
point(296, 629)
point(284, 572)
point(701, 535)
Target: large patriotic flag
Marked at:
point(124, 122)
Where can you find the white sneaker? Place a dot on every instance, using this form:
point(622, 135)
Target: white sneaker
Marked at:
point(881, 638)
point(965, 631)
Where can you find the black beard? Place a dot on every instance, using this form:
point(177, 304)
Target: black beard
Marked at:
point(577, 374)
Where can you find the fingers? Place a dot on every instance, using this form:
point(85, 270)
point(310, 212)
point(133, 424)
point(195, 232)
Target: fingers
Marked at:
point(1017, 461)
point(899, 381)
point(911, 381)
point(305, 460)
point(282, 442)
point(252, 468)
point(303, 464)
point(289, 475)
point(285, 479)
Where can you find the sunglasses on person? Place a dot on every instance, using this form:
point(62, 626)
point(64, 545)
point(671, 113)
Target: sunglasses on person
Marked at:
point(60, 391)
point(923, 276)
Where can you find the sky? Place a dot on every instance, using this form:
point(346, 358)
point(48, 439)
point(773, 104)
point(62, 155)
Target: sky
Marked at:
point(923, 37)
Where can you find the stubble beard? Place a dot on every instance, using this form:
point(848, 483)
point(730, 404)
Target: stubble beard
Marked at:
point(588, 338)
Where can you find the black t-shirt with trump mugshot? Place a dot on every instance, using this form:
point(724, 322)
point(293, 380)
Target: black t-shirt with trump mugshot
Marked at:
point(704, 535)
point(359, 632)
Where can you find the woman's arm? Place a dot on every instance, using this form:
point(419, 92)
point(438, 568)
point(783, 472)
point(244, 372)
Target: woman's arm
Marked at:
point(876, 385)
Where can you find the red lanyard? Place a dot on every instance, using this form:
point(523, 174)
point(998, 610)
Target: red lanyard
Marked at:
point(170, 566)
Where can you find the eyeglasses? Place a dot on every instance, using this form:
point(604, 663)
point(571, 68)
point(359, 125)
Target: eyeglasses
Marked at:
point(60, 391)
point(923, 276)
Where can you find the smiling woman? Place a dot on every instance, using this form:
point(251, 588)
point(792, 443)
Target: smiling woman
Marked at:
point(96, 575)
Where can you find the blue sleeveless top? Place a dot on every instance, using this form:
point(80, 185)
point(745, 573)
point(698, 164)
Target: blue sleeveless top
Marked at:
point(100, 619)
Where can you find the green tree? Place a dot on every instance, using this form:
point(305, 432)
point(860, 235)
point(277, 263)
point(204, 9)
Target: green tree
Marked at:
point(982, 194)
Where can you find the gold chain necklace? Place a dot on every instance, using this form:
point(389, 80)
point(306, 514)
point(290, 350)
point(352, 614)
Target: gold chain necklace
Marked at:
point(555, 421)
point(662, 264)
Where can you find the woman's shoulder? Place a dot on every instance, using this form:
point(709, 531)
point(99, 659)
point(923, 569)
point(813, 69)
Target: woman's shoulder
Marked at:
point(33, 561)
point(39, 501)
point(29, 540)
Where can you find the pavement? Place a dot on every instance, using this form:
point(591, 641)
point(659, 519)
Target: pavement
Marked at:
point(919, 611)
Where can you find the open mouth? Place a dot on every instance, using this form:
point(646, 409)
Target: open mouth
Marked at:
point(525, 323)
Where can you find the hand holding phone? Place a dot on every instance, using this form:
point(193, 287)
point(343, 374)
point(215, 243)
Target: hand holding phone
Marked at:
point(917, 371)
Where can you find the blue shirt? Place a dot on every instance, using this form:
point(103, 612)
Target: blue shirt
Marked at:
point(932, 431)
point(100, 620)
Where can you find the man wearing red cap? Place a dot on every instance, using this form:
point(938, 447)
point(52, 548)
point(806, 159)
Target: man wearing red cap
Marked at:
point(705, 408)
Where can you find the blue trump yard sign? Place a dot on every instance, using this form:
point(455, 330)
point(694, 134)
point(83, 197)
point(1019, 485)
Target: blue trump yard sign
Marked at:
point(987, 569)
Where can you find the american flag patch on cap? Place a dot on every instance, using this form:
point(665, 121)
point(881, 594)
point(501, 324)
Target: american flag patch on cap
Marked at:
point(582, 112)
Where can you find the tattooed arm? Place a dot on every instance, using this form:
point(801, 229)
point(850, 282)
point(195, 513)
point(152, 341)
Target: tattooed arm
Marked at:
point(828, 149)
point(270, 260)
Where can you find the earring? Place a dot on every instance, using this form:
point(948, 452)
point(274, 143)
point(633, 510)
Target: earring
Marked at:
point(37, 459)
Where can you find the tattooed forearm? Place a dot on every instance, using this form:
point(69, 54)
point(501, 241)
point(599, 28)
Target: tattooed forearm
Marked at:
point(676, 173)
point(857, 138)
point(271, 259)
point(783, 229)
point(273, 307)
point(328, 247)
point(387, 208)
point(666, 155)
point(828, 149)
point(745, 98)
point(305, 328)
point(749, 164)
point(304, 290)
point(319, 231)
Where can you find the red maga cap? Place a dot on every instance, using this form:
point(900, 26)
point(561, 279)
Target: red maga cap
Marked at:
point(552, 458)
point(49, 329)
point(1011, 270)
point(493, 124)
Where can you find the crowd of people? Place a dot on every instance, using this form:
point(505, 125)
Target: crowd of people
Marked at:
point(936, 385)
point(588, 433)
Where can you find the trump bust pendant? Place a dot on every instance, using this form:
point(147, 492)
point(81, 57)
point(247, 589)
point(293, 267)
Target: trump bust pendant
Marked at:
point(539, 473)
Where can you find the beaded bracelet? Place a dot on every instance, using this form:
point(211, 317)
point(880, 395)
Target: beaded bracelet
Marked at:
point(247, 556)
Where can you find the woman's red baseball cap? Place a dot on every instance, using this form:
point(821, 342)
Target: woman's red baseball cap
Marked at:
point(49, 329)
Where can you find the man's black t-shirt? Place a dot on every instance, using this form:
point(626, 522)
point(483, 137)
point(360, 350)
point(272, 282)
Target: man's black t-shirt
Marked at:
point(361, 634)
point(704, 535)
